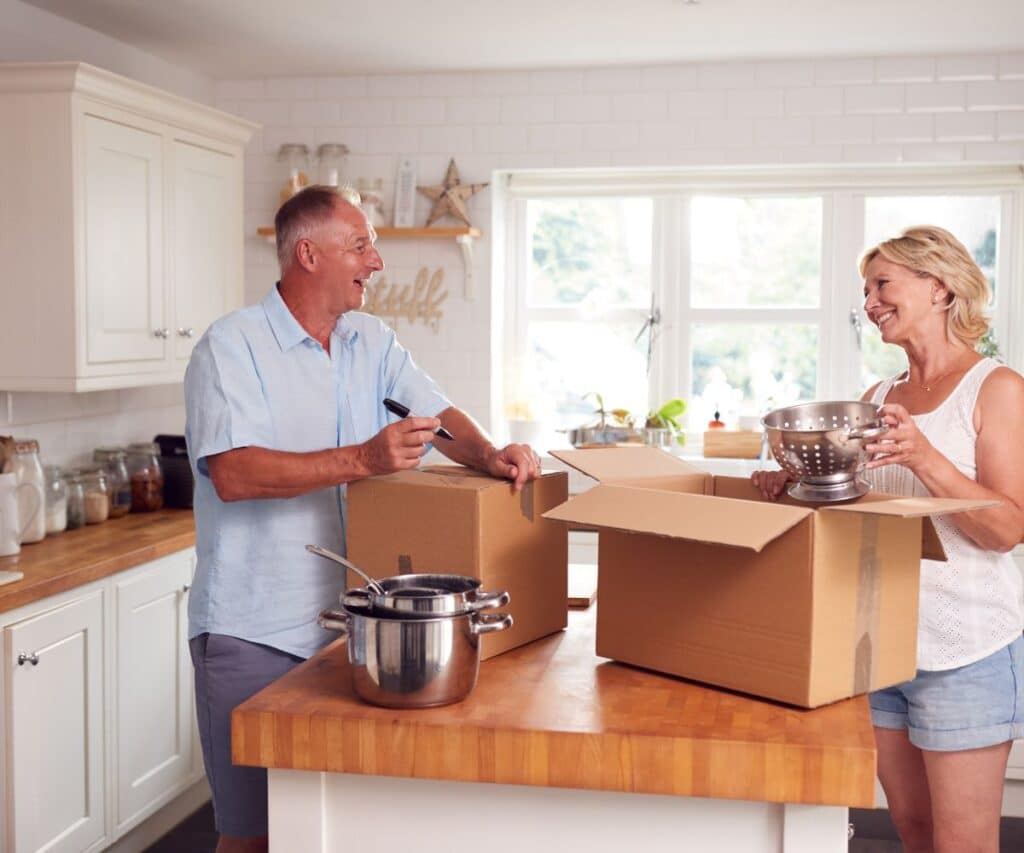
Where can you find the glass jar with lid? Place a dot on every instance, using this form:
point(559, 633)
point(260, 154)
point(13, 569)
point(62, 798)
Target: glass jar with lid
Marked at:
point(331, 157)
point(31, 502)
point(56, 500)
point(145, 477)
point(76, 501)
point(295, 158)
point(113, 460)
point(96, 494)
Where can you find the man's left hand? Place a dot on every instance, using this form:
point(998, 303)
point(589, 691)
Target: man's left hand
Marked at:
point(516, 462)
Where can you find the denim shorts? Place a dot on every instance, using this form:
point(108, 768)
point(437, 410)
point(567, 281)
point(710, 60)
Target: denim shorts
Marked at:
point(229, 671)
point(969, 707)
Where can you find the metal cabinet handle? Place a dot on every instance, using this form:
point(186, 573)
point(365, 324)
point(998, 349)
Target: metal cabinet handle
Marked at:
point(161, 333)
point(186, 587)
point(186, 332)
point(31, 658)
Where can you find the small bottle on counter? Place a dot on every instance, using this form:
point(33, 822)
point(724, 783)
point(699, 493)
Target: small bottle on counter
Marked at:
point(97, 495)
point(76, 501)
point(145, 476)
point(31, 508)
point(56, 500)
point(114, 462)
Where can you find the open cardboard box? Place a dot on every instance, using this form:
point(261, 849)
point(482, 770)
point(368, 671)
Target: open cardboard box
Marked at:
point(454, 520)
point(698, 576)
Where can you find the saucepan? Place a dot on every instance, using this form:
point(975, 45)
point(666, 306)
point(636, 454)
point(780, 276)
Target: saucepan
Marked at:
point(425, 595)
point(400, 662)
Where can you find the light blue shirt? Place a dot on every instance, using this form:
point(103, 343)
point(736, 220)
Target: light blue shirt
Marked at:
point(256, 378)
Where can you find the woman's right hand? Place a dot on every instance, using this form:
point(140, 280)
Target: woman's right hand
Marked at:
point(771, 483)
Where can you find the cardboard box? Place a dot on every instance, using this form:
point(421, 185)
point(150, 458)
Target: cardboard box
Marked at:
point(455, 520)
point(700, 577)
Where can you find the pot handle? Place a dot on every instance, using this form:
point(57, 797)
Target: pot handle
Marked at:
point(489, 600)
point(869, 432)
point(357, 598)
point(334, 620)
point(489, 623)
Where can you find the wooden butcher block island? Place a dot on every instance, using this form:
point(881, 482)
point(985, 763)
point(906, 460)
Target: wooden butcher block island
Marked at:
point(553, 715)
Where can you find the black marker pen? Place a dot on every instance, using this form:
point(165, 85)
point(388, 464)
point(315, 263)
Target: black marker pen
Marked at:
point(403, 412)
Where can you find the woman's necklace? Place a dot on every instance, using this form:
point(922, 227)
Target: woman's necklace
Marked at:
point(937, 379)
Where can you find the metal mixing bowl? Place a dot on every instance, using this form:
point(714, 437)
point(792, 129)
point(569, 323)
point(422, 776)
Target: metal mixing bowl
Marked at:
point(822, 446)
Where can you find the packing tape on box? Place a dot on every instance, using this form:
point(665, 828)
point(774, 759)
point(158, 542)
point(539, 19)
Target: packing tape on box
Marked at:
point(404, 564)
point(526, 501)
point(868, 595)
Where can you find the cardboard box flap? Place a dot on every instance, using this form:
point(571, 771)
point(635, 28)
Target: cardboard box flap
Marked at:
point(608, 464)
point(719, 521)
point(912, 507)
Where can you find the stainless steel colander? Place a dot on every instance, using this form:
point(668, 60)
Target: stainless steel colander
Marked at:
point(821, 444)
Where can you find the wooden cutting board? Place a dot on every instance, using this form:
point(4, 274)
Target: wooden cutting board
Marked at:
point(582, 585)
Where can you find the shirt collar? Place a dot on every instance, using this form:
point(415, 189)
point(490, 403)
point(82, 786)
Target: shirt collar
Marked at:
point(288, 331)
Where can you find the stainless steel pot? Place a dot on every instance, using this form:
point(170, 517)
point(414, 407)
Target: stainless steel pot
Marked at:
point(417, 595)
point(413, 663)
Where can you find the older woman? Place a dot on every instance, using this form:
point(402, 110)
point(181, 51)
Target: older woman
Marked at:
point(955, 425)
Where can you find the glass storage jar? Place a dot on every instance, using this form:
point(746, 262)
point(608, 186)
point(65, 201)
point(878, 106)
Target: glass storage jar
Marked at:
point(97, 494)
point(296, 161)
point(113, 460)
point(145, 476)
point(76, 501)
point(31, 508)
point(56, 500)
point(331, 157)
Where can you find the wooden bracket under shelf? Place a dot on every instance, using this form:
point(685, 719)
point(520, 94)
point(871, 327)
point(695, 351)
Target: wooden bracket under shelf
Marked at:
point(464, 237)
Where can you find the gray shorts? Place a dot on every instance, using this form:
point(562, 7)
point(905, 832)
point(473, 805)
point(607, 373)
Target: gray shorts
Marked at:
point(229, 671)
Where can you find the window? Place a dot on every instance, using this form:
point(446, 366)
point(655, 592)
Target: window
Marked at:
point(737, 291)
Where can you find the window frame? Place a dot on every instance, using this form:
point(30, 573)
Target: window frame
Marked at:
point(843, 190)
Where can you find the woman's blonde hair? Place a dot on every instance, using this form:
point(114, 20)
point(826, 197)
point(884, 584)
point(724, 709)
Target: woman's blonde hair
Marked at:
point(928, 250)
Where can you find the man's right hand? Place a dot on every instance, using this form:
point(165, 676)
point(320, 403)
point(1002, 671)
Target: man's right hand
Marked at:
point(398, 446)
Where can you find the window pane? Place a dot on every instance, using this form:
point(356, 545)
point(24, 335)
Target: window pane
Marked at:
point(974, 220)
point(595, 251)
point(568, 360)
point(749, 368)
point(750, 252)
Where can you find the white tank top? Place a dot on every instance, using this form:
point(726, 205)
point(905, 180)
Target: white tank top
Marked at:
point(971, 605)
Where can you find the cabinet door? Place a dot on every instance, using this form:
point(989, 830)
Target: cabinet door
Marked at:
point(56, 736)
point(152, 671)
point(207, 242)
point(123, 229)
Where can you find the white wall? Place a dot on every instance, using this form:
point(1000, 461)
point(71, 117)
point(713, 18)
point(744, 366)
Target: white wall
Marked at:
point(881, 110)
point(69, 426)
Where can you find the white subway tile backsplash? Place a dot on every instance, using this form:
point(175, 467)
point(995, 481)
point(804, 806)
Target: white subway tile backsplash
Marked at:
point(395, 138)
point(611, 80)
point(691, 105)
point(668, 78)
point(938, 152)
point(823, 100)
point(753, 103)
point(239, 89)
point(936, 97)
point(875, 153)
point(995, 152)
point(555, 137)
point(844, 72)
point(275, 113)
point(811, 154)
point(556, 82)
point(1011, 66)
point(905, 128)
point(500, 138)
point(881, 98)
point(527, 109)
point(725, 75)
point(353, 137)
point(965, 127)
point(783, 131)
point(996, 95)
point(354, 86)
point(501, 82)
point(830, 130)
point(420, 111)
point(640, 106)
point(292, 87)
point(725, 131)
point(582, 108)
point(367, 111)
point(666, 135)
point(1010, 126)
point(445, 139)
point(315, 113)
point(393, 85)
point(967, 67)
point(582, 160)
point(474, 110)
point(905, 69)
point(784, 73)
point(447, 85)
point(275, 137)
point(611, 137)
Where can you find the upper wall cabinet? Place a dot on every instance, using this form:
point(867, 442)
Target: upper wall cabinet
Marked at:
point(121, 233)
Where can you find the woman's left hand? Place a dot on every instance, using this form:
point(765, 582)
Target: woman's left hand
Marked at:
point(904, 444)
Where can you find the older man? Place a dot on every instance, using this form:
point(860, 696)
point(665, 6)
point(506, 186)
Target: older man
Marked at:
point(284, 406)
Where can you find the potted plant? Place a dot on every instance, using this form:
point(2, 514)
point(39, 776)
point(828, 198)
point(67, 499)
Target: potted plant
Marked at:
point(662, 424)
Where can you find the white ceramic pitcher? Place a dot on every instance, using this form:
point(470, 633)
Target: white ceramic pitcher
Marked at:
point(11, 528)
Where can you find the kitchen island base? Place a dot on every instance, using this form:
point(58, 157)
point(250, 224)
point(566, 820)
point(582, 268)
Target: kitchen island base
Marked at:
point(318, 812)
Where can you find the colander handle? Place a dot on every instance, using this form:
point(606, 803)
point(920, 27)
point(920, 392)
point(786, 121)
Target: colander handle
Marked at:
point(869, 432)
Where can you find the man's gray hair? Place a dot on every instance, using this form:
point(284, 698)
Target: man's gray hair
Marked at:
point(304, 214)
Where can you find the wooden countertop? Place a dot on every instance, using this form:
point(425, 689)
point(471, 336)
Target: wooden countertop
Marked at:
point(77, 557)
point(553, 714)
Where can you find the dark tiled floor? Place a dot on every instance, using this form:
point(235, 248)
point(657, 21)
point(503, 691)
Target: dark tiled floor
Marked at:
point(874, 834)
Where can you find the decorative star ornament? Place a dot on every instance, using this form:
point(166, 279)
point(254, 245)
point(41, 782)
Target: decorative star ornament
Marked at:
point(450, 197)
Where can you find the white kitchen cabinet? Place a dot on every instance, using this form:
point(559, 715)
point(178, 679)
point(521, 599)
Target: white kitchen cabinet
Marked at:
point(153, 709)
point(55, 747)
point(121, 233)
